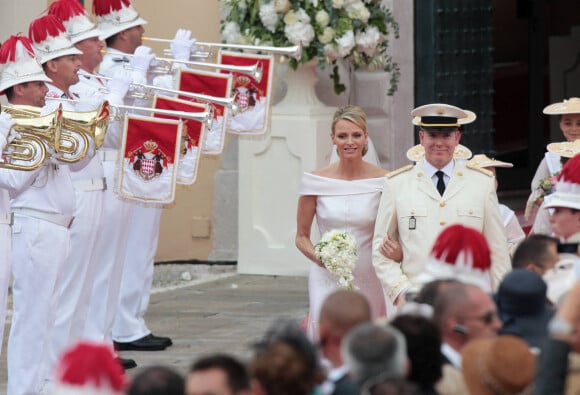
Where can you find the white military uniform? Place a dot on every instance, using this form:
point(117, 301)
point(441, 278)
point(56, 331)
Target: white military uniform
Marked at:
point(137, 277)
point(5, 251)
point(76, 281)
point(413, 212)
point(43, 202)
point(111, 243)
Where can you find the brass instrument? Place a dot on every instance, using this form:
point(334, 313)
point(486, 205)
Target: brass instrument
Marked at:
point(163, 66)
point(205, 117)
point(28, 152)
point(293, 52)
point(222, 101)
point(73, 142)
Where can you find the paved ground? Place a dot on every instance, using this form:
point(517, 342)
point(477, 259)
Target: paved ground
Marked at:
point(225, 314)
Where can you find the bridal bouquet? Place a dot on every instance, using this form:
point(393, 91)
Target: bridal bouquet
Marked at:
point(546, 187)
point(328, 30)
point(337, 252)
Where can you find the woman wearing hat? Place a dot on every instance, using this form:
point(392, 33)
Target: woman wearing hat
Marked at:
point(569, 114)
point(344, 195)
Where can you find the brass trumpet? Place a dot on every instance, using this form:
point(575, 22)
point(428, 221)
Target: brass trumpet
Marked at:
point(73, 141)
point(205, 117)
point(222, 101)
point(293, 52)
point(162, 67)
point(29, 150)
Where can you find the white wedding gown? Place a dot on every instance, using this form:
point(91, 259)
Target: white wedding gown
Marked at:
point(351, 206)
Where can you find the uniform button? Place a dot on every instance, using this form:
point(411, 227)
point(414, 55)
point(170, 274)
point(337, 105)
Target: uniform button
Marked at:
point(459, 173)
point(412, 212)
point(442, 223)
point(470, 212)
point(419, 174)
point(442, 204)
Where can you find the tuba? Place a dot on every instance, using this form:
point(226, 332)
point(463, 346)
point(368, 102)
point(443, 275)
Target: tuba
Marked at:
point(74, 141)
point(28, 152)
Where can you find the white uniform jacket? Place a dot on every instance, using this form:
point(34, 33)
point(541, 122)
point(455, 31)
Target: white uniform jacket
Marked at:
point(413, 212)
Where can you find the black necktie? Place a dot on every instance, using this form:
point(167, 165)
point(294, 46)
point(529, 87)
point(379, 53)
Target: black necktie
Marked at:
point(440, 182)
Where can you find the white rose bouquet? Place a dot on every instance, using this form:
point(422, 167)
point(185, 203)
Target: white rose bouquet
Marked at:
point(328, 30)
point(337, 252)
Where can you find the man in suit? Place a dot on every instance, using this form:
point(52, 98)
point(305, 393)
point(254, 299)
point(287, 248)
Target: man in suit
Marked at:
point(419, 200)
point(462, 312)
point(334, 324)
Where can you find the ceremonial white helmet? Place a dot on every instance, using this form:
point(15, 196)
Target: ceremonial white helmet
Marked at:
point(114, 16)
point(18, 63)
point(75, 20)
point(50, 39)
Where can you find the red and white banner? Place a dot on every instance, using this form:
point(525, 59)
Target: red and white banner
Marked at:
point(253, 98)
point(211, 84)
point(193, 136)
point(148, 168)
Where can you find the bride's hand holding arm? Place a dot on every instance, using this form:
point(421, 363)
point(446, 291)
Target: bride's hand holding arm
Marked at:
point(391, 248)
point(304, 218)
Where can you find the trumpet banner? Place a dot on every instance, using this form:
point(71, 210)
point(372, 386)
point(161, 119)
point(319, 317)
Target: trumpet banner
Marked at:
point(211, 84)
point(148, 169)
point(193, 136)
point(253, 98)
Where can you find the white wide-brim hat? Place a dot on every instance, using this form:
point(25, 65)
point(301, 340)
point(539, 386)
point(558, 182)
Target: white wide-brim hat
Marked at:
point(55, 47)
point(80, 28)
point(116, 21)
point(483, 161)
point(417, 153)
point(25, 66)
point(567, 149)
point(570, 106)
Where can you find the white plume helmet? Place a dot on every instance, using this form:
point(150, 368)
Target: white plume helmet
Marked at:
point(18, 63)
point(50, 39)
point(114, 16)
point(75, 20)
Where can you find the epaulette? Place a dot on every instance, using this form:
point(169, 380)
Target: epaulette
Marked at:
point(479, 169)
point(399, 171)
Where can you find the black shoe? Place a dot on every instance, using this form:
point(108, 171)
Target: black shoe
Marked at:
point(165, 340)
point(127, 363)
point(146, 343)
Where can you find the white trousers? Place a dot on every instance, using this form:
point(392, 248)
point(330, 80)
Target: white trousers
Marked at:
point(40, 250)
point(110, 248)
point(5, 259)
point(78, 276)
point(137, 278)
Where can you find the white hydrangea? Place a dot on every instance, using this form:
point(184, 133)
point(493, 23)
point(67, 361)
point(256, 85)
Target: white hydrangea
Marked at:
point(322, 18)
point(358, 10)
point(367, 40)
point(337, 252)
point(299, 33)
point(303, 16)
point(231, 32)
point(282, 6)
point(268, 16)
point(345, 44)
point(327, 35)
point(337, 4)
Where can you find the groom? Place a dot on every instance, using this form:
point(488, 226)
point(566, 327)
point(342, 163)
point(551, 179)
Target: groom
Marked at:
point(419, 200)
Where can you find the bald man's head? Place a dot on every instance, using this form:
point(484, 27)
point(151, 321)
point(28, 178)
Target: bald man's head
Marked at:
point(343, 310)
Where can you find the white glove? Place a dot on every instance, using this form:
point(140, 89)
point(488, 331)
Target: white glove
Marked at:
point(6, 123)
point(182, 45)
point(119, 86)
point(88, 103)
point(53, 156)
point(141, 59)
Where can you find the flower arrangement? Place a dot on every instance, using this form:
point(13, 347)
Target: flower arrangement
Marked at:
point(546, 187)
point(337, 252)
point(356, 31)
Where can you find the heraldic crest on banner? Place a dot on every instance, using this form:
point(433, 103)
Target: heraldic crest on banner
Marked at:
point(212, 84)
point(193, 136)
point(252, 97)
point(148, 169)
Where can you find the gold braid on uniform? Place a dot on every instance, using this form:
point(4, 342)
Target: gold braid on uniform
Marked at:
point(399, 171)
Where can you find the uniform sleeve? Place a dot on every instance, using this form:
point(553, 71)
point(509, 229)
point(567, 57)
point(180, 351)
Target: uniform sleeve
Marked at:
point(515, 234)
point(495, 234)
point(393, 279)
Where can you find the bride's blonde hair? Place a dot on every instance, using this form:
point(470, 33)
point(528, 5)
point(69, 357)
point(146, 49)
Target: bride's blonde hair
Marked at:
point(353, 114)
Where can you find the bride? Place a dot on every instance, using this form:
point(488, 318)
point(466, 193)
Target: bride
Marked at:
point(344, 195)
